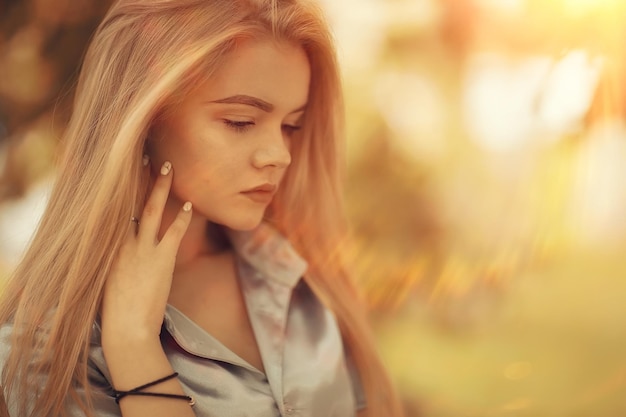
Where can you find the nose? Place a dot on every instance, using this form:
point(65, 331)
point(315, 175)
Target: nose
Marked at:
point(273, 151)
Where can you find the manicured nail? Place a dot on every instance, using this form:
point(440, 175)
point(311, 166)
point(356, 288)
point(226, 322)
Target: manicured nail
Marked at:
point(187, 206)
point(165, 169)
point(146, 160)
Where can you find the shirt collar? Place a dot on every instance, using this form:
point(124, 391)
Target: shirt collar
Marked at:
point(270, 253)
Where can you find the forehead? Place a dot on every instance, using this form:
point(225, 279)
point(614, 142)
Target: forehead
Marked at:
point(277, 72)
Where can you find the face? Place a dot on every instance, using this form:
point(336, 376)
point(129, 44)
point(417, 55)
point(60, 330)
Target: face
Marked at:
point(229, 140)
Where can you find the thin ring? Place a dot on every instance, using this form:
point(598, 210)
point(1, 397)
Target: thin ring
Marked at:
point(134, 220)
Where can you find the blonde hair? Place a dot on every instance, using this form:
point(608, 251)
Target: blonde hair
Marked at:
point(141, 54)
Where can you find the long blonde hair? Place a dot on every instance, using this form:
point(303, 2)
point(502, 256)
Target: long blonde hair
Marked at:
point(143, 54)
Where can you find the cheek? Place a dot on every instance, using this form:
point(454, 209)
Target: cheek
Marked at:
point(175, 139)
point(201, 174)
point(182, 151)
point(204, 160)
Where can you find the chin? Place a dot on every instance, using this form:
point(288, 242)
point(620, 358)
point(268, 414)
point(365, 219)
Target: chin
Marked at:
point(243, 223)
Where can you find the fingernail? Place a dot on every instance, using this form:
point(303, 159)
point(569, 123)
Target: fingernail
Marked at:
point(165, 169)
point(187, 206)
point(146, 160)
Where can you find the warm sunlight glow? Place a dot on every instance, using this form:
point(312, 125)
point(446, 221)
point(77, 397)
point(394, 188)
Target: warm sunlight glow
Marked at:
point(580, 7)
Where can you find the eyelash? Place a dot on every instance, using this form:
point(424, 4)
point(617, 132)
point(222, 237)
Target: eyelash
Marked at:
point(237, 126)
point(291, 129)
point(242, 127)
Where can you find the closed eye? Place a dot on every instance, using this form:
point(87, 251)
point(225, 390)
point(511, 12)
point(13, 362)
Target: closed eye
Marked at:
point(238, 126)
point(291, 129)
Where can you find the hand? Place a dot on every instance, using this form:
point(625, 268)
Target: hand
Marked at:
point(136, 291)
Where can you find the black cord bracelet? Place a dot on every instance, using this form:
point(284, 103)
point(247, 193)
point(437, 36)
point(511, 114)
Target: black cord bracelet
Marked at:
point(118, 395)
point(187, 398)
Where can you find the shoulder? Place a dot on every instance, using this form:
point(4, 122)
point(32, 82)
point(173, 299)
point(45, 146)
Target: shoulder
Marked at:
point(9, 403)
point(6, 332)
point(103, 403)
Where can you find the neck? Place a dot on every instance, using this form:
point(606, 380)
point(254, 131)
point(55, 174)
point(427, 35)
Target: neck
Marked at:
point(202, 238)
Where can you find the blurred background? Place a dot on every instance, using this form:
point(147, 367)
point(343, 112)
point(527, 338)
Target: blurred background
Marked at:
point(486, 187)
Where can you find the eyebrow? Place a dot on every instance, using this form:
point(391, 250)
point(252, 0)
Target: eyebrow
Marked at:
point(252, 101)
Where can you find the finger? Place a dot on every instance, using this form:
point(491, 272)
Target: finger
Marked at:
point(174, 234)
point(153, 210)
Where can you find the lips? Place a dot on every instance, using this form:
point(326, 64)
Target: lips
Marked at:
point(262, 194)
point(270, 188)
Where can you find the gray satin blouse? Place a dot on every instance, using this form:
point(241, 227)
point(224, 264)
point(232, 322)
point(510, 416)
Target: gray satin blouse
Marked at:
point(306, 374)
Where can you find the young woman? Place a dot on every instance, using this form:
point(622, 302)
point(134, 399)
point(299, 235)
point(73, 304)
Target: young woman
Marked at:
point(189, 260)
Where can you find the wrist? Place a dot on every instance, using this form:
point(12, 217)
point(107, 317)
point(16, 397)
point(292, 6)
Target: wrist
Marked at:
point(130, 345)
point(133, 362)
point(123, 336)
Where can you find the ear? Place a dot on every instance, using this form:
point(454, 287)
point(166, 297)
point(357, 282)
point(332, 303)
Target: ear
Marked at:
point(151, 135)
